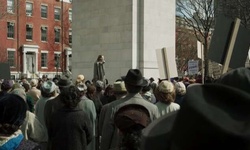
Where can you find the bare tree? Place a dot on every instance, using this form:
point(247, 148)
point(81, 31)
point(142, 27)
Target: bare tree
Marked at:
point(199, 16)
point(186, 48)
point(236, 9)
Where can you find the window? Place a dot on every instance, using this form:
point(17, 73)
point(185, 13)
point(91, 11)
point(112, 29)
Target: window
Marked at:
point(70, 36)
point(11, 58)
point(57, 14)
point(10, 6)
point(57, 35)
point(11, 29)
point(29, 9)
point(29, 32)
point(44, 34)
point(44, 11)
point(44, 59)
point(70, 15)
point(57, 59)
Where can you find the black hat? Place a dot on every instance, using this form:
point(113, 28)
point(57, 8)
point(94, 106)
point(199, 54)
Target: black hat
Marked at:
point(12, 110)
point(212, 117)
point(134, 77)
point(64, 82)
point(238, 78)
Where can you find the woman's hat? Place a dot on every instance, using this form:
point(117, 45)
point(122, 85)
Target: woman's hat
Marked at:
point(48, 87)
point(130, 115)
point(64, 82)
point(80, 78)
point(12, 110)
point(166, 87)
point(212, 116)
point(134, 77)
point(119, 86)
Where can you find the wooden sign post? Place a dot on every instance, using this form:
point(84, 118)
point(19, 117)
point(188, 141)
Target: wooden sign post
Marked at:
point(166, 63)
point(231, 45)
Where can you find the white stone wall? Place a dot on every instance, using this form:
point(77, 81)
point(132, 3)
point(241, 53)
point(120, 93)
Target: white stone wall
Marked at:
point(126, 32)
point(159, 32)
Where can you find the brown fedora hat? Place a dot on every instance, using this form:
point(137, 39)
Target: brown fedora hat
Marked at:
point(134, 77)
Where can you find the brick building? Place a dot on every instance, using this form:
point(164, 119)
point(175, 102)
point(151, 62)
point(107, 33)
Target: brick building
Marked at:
point(36, 36)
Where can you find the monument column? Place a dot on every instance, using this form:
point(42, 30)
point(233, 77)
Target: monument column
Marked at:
point(127, 33)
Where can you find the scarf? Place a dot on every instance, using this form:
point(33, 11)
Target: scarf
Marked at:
point(11, 142)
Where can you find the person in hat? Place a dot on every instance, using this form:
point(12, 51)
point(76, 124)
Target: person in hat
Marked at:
point(108, 95)
point(31, 128)
point(165, 94)
point(80, 79)
point(34, 92)
point(12, 115)
point(180, 90)
point(70, 128)
point(100, 90)
point(147, 94)
point(134, 81)
point(6, 87)
point(55, 103)
point(212, 116)
point(48, 91)
point(88, 106)
point(131, 120)
point(119, 91)
point(238, 78)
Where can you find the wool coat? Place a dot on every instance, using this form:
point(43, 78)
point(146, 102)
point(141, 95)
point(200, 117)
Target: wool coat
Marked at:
point(110, 136)
point(69, 129)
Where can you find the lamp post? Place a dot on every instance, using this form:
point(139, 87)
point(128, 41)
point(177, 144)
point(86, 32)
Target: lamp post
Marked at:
point(62, 30)
point(57, 63)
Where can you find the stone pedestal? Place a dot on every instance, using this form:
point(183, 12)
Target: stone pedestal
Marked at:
point(126, 32)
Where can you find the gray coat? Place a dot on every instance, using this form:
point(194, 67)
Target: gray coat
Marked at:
point(99, 71)
point(110, 136)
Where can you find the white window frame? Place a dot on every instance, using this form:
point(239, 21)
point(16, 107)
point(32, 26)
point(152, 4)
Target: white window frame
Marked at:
point(44, 52)
point(57, 30)
point(42, 5)
point(29, 12)
point(70, 36)
point(10, 6)
point(57, 13)
point(29, 26)
point(11, 50)
point(10, 23)
point(57, 53)
point(44, 28)
point(70, 15)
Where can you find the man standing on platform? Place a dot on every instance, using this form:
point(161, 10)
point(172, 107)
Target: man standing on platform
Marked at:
point(99, 69)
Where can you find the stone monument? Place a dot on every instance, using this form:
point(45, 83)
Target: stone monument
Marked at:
point(126, 32)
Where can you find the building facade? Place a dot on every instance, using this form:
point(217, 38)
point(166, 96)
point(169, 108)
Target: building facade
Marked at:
point(36, 37)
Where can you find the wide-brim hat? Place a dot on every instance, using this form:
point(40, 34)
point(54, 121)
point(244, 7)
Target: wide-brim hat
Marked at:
point(134, 77)
point(119, 86)
point(238, 78)
point(12, 110)
point(48, 87)
point(64, 82)
point(80, 78)
point(212, 117)
point(131, 115)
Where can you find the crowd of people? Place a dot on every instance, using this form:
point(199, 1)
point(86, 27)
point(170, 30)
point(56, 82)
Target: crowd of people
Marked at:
point(133, 113)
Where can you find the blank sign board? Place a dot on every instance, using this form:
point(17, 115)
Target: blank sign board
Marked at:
point(5, 71)
point(166, 63)
point(221, 40)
